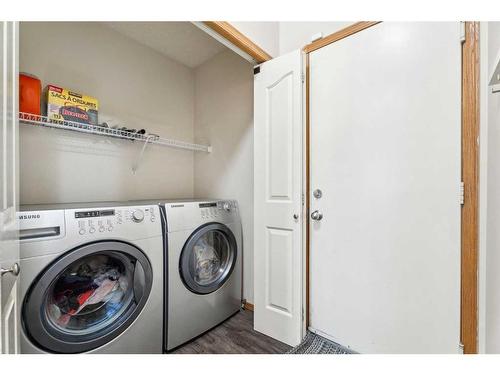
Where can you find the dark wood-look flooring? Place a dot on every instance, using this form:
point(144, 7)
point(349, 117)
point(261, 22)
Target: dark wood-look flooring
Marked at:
point(235, 336)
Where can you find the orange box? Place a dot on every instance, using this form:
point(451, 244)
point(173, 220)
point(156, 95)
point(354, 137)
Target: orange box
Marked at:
point(30, 94)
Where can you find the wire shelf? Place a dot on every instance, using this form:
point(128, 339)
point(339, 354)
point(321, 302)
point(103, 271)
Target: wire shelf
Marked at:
point(44, 121)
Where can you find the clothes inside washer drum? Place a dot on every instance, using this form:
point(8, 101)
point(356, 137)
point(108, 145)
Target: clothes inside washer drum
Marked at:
point(88, 293)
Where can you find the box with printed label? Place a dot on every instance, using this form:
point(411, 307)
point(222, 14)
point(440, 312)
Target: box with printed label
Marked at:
point(66, 105)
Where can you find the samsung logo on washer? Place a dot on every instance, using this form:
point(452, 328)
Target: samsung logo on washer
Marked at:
point(27, 217)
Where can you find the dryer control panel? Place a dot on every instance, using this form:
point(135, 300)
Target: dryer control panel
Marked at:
point(190, 215)
point(217, 210)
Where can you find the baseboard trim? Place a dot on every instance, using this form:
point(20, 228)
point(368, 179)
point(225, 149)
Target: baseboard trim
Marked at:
point(248, 306)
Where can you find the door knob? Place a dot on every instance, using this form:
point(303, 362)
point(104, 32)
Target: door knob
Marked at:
point(316, 215)
point(15, 269)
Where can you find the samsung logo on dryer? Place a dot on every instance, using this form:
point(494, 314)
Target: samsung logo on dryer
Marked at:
point(28, 216)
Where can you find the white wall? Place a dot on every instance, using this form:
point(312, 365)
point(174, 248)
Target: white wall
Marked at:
point(278, 38)
point(224, 119)
point(492, 299)
point(136, 86)
point(264, 34)
point(296, 35)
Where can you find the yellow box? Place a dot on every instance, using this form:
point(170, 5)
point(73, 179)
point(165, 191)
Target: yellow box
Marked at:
point(63, 104)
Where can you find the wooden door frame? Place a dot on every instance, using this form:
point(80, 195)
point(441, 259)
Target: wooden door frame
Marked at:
point(470, 175)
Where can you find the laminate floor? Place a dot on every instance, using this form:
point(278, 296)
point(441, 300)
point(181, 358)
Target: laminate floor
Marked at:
point(235, 336)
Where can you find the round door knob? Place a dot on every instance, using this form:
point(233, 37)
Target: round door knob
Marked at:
point(317, 215)
point(138, 216)
point(15, 269)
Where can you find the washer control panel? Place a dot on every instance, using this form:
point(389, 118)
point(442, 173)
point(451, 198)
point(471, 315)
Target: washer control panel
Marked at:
point(106, 221)
point(217, 210)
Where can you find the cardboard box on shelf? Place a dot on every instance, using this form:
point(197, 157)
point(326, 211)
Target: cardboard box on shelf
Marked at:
point(63, 104)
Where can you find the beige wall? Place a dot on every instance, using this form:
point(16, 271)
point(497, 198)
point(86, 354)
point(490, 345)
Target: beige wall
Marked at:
point(136, 86)
point(224, 118)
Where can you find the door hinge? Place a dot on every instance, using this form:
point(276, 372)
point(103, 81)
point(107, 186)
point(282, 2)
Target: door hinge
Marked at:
point(460, 348)
point(303, 200)
point(462, 31)
point(462, 193)
point(302, 77)
point(302, 314)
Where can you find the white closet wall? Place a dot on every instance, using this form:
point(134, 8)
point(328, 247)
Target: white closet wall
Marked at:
point(295, 35)
point(224, 119)
point(264, 34)
point(136, 86)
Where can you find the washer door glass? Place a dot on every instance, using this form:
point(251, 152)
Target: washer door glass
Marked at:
point(87, 297)
point(208, 258)
point(91, 293)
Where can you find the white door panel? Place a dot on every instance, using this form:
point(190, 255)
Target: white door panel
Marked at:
point(9, 246)
point(278, 189)
point(385, 152)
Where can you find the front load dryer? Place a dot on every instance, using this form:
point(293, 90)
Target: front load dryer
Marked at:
point(92, 279)
point(204, 266)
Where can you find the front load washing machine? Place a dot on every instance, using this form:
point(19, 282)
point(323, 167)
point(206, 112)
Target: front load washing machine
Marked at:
point(92, 279)
point(204, 266)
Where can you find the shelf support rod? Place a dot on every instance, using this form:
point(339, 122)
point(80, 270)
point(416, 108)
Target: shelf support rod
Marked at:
point(139, 158)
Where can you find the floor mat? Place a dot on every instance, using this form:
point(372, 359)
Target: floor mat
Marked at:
point(315, 344)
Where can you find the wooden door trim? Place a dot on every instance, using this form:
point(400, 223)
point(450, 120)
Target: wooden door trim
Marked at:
point(470, 177)
point(233, 35)
point(341, 34)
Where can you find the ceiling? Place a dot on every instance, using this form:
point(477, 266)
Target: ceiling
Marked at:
point(180, 41)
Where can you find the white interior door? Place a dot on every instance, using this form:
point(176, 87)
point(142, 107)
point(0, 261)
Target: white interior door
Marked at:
point(385, 153)
point(9, 246)
point(277, 193)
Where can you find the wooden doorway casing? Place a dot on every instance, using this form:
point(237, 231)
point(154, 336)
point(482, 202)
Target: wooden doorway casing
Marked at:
point(470, 178)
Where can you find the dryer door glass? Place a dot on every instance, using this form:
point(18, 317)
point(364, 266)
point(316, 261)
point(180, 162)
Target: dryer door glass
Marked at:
point(87, 297)
point(208, 258)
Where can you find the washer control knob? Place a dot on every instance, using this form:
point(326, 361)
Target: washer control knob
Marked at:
point(138, 216)
point(226, 206)
point(81, 231)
